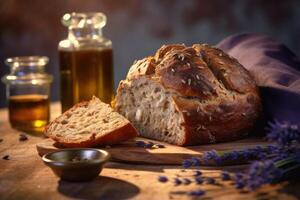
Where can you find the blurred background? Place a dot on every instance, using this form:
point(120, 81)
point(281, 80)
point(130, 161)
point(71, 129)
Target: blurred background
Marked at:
point(137, 28)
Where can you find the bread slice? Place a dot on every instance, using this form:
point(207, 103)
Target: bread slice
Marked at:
point(89, 124)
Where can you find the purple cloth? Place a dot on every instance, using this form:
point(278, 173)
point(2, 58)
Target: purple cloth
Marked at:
point(276, 70)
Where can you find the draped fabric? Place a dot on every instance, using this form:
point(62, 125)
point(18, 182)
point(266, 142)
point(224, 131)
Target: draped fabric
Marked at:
point(276, 70)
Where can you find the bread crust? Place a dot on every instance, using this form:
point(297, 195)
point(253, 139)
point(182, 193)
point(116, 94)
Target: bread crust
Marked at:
point(117, 135)
point(215, 94)
point(221, 122)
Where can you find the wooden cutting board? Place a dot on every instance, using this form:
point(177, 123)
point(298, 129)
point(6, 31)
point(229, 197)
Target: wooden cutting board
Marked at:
point(174, 155)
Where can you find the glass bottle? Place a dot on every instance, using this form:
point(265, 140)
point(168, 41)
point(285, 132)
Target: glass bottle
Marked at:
point(28, 91)
point(86, 60)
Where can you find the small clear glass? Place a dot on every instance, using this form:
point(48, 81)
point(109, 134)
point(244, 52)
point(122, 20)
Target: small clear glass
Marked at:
point(28, 91)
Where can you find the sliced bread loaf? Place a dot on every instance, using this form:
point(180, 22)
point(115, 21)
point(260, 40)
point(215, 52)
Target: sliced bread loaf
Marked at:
point(89, 124)
point(189, 95)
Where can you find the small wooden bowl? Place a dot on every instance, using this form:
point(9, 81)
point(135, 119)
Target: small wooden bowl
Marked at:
point(76, 164)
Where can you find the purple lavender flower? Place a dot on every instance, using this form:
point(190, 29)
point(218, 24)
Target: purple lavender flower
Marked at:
point(225, 176)
point(240, 184)
point(177, 181)
point(257, 152)
point(210, 155)
point(262, 172)
point(149, 145)
point(259, 173)
point(187, 163)
point(198, 173)
point(210, 180)
point(198, 180)
point(235, 155)
point(240, 181)
point(186, 181)
point(196, 161)
point(162, 179)
point(140, 143)
point(272, 149)
point(196, 192)
point(283, 133)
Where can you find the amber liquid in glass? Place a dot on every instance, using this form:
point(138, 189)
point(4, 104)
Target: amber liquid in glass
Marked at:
point(85, 73)
point(29, 113)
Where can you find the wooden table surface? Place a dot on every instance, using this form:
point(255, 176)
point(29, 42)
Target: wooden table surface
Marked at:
point(24, 176)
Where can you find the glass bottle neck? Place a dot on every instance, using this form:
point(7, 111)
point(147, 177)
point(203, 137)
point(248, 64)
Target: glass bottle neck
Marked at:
point(84, 33)
point(23, 70)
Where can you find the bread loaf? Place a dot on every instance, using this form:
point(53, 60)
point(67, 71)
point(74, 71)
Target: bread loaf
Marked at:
point(89, 124)
point(189, 95)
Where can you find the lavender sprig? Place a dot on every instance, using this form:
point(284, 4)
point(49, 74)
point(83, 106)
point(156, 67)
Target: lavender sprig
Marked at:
point(283, 133)
point(271, 163)
point(222, 157)
point(287, 141)
point(265, 172)
point(285, 157)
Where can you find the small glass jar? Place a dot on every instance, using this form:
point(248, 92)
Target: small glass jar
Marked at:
point(86, 60)
point(27, 91)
